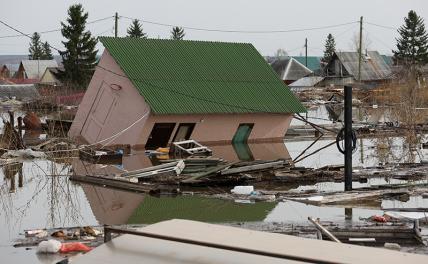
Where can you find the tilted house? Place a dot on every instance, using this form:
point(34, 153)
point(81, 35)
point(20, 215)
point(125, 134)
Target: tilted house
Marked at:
point(290, 70)
point(343, 68)
point(150, 92)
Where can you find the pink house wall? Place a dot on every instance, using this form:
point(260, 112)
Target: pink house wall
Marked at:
point(128, 106)
point(220, 128)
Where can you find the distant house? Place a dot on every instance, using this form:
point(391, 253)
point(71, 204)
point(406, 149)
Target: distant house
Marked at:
point(343, 68)
point(306, 83)
point(314, 62)
point(8, 70)
point(33, 69)
point(50, 77)
point(150, 92)
point(289, 69)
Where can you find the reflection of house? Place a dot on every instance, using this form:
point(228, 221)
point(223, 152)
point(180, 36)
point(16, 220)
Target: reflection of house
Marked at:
point(33, 69)
point(289, 69)
point(344, 68)
point(115, 207)
point(159, 91)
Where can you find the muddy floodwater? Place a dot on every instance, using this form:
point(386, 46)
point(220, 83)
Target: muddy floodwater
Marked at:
point(38, 194)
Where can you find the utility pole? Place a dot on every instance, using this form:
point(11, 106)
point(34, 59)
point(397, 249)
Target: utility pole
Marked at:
point(360, 50)
point(306, 52)
point(116, 18)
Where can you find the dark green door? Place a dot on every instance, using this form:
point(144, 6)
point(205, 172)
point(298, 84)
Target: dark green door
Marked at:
point(242, 134)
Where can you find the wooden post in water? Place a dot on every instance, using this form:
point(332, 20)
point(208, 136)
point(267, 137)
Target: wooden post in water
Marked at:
point(348, 138)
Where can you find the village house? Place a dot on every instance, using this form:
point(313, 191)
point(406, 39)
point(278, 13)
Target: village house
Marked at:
point(50, 77)
point(343, 69)
point(150, 92)
point(313, 63)
point(33, 69)
point(289, 69)
point(8, 70)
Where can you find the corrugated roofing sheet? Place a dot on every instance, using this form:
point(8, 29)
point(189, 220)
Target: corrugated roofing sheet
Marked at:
point(179, 77)
point(34, 69)
point(309, 81)
point(373, 66)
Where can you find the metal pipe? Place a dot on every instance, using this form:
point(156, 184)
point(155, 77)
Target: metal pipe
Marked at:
point(348, 138)
point(109, 230)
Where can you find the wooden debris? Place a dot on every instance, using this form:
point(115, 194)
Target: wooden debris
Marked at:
point(122, 185)
point(101, 156)
point(323, 230)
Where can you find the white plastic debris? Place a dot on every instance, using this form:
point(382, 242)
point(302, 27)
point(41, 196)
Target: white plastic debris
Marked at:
point(42, 234)
point(24, 154)
point(246, 190)
point(50, 246)
point(393, 246)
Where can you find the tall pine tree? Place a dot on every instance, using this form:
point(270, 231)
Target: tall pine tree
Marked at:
point(330, 48)
point(412, 45)
point(135, 30)
point(47, 53)
point(177, 33)
point(79, 57)
point(36, 49)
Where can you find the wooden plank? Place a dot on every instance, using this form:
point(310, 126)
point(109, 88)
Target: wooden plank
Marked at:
point(169, 165)
point(208, 172)
point(256, 167)
point(113, 183)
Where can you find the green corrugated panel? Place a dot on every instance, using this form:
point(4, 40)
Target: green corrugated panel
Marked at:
point(187, 77)
point(314, 63)
point(153, 210)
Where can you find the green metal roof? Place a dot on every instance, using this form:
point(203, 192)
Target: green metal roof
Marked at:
point(153, 210)
point(186, 77)
point(314, 63)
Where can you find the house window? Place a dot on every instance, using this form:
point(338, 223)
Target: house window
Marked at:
point(242, 133)
point(160, 135)
point(184, 131)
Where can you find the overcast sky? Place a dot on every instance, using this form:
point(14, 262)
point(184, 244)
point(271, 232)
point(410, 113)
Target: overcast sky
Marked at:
point(244, 15)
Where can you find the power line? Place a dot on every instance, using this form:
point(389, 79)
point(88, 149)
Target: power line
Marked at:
point(58, 29)
point(26, 35)
point(242, 31)
point(381, 26)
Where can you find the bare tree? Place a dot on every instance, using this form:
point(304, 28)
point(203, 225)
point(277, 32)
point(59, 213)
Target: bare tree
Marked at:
point(355, 42)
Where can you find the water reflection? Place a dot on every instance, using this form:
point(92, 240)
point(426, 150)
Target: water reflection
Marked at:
point(10, 171)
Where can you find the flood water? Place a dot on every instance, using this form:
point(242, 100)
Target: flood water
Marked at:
point(38, 194)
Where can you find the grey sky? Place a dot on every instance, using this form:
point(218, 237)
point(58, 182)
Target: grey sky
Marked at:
point(42, 15)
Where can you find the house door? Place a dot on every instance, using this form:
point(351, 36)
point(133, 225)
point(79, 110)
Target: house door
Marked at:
point(184, 131)
point(160, 135)
point(242, 134)
point(98, 115)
